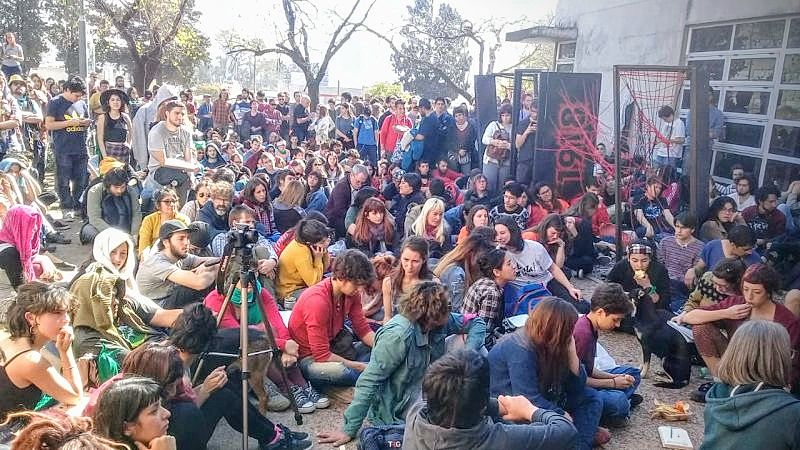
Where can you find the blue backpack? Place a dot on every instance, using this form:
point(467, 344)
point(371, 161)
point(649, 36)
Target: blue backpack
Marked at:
point(521, 300)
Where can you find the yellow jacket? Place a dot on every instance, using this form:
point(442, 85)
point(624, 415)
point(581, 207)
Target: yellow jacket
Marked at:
point(151, 224)
point(298, 269)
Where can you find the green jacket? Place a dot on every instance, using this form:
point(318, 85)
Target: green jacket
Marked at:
point(766, 419)
point(391, 382)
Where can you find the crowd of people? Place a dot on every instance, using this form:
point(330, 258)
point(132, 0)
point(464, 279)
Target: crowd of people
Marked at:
point(395, 246)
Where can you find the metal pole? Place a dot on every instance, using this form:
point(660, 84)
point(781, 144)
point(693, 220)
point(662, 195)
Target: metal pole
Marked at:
point(243, 328)
point(83, 69)
point(700, 146)
point(617, 166)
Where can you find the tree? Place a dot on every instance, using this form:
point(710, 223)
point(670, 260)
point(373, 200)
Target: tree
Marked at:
point(151, 38)
point(384, 90)
point(433, 59)
point(61, 29)
point(295, 42)
point(22, 18)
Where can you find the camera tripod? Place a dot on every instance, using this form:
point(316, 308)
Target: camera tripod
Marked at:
point(247, 277)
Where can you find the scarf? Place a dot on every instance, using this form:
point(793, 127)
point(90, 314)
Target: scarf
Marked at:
point(22, 228)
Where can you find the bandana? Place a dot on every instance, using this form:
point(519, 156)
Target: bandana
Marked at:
point(639, 249)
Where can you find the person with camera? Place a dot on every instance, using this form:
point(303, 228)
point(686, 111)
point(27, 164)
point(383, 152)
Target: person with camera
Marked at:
point(328, 352)
point(172, 277)
point(303, 262)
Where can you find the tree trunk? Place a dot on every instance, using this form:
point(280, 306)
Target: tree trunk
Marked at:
point(313, 92)
point(145, 70)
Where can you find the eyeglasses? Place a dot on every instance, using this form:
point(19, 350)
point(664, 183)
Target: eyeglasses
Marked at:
point(202, 195)
point(169, 202)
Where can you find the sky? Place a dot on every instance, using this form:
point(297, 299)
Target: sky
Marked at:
point(365, 59)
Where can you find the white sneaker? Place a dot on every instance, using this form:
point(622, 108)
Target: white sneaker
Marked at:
point(69, 216)
point(321, 401)
point(304, 404)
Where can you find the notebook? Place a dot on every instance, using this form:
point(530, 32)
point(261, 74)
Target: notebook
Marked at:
point(674, 437)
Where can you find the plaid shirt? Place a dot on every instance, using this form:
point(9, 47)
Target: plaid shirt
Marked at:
point(220, 112)
point(484, 298)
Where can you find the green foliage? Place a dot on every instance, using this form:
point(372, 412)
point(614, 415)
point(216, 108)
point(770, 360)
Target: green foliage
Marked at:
point(433, 59)
point(19, 17)
point(61, 29)
point(384, 89)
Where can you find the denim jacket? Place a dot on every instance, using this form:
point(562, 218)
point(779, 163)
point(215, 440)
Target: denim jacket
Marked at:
point(392, 380)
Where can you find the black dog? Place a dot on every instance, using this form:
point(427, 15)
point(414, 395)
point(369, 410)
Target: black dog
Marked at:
point(657, 337)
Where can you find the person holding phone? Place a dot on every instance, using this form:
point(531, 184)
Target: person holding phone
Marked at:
point(303, 262)
point(525, 142)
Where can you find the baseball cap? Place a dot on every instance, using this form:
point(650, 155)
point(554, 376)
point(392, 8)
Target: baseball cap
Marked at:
point(171, 227)
point(15, 79)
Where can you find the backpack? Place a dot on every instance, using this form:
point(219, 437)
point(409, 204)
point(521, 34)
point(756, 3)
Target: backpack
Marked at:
point(522, 300)
point(381, 437)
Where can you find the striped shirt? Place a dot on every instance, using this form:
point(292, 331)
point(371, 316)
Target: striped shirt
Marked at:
point(678, 258)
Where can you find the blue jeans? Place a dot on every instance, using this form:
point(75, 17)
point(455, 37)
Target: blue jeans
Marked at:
point(615, 401)
point(333, 373)
point(679, 293)
point(369, 153)
point(71, 170)
point(586, 413)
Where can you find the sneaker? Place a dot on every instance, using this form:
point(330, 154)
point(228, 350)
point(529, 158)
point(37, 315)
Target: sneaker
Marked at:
point(56, 237)
point(288, 303)
point(63, 265)
point(635, 400)
point(616, 422)
point(304, 405)
point(277, 402)
point(580, 274)
point(59, 225)
point(699, 395)
point(604, 260)
point(69, 215)
point(295, 435)
point(320, 401)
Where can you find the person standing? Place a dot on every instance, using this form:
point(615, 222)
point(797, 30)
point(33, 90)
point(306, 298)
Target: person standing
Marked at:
point(67, 120)
point(525, 142)
point(672, 135)
point(114, 126)
point(221, 112)
point(204, 114)
point(366, 136)
point(32, 133)
point(12, 56)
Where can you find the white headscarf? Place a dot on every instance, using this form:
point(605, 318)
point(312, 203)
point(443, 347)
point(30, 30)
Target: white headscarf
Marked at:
point(104, 243)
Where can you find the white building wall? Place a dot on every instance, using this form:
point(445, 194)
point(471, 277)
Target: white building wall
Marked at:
point(651, 32)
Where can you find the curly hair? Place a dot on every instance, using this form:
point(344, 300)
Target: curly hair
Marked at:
point(56, 430)
point(428, 304)
point(250, 189)
point(194, 329)
point(222, 189)
point(383, 264)
point(354, 266)
point(37, 298)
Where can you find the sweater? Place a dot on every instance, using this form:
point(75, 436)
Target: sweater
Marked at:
point(546, 430)
point(297, 269)
point(393, 378)
point(315, 321)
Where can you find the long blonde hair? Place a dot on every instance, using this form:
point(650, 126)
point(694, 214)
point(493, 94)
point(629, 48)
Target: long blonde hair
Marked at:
point(419, 225)
point(759, 352)
point(293, 194)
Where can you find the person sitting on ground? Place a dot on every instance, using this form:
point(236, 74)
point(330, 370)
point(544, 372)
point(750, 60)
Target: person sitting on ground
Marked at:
point(556, 233)
point(213, 158)
point(359, 198)
point(744, 198)
point(166, 201)
point(256, 197)
point(39, 315)
point(172, 277)
point(373, 231)
point(477, 216)
point(195, 412)
point(112, 204)
point(58, 430)
point(739, 244)
point(641, 272)
point(287, 207)
point(372, 297)
point(412, 267)
point(485, 296)
point(751, 401)
point(303, 262)
point(20, 243)
point(287, 237)
point(715, 285)
point(112, 313)
point(512, 193)
point(534, 264)
point(317, 196)
point(722, 216)
point(409, 193)
point(430, 224)
point(616, 386)
point(215, 212)
point(759, 285)
point(328, 355)
point(459, 267)
point(342, 196)
point(679, 254)
point(458, 412)
point(130, 411)
point(392, 379)
point(653, 217)
point(543, 201)
point(540, 362)
point(202, 194)
point(764, 218)
point(478, 192)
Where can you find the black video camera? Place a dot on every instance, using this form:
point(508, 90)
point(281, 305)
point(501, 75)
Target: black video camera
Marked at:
point(241, 236)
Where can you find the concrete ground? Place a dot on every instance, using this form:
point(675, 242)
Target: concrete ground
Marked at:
point(640, 434)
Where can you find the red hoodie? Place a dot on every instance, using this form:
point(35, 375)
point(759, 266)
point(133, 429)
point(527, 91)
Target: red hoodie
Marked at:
point(389, 136)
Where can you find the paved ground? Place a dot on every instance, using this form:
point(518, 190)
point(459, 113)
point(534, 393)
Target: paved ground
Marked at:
point(641, 434)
